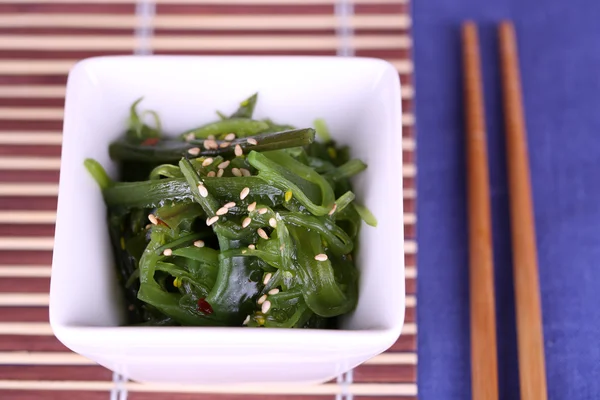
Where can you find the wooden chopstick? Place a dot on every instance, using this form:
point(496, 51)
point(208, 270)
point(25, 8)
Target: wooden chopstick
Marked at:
point(532, 373)
point(484, 366)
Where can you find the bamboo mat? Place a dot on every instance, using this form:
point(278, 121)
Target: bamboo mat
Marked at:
point(39, 41)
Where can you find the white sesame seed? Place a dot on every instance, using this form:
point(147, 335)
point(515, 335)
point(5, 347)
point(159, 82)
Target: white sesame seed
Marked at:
point(273, 291)
point(265, 307)
point(212, 220)
point(262, 211)
point(211, 137)
point(199, 243)
point(268, 277)
point(220, 173)
point(231, 204)
point(210, 144)
point(245, 192)
point(207, 162)
point(236, 171)
point(202, 190)
point(261, 232)
point(224, 164)
point(252, 247)
point(168, 252)
point(222, 211)
point(244, 251)
point(148, 226)
point(246, 320)
point(252, 141)
point(272, 222)
point(262, 299)
point(224, 144)
point(238, 150)
point(246, 222)
point(251, 206)
point(333, 209)
point(194, 151)
point(321, 257)
point(211, 174)
point(152, 218)
point(230, 136)
point(190, 136)
point(245, 172)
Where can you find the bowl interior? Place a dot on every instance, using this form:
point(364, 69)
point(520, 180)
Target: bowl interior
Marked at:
point(358, 98)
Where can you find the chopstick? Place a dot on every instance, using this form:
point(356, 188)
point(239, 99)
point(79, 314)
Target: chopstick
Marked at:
point(532, 373)
point(484, 369)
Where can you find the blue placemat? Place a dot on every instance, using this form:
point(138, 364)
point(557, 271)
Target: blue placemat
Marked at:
point(559, 43)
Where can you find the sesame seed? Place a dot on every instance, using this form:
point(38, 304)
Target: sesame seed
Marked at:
point(224, 144)
point(273, 291)
point(152, 219)
point(148, 226)
point(194, 151)
point(211, 174)
point(168, 252)
point(281, 248)
point(231, 204)
point(333, 209)
point(211, 137)
point(190, 136)
point(244, 251)
point(252, 141)
point(272, 222)
point(202, 190)
point(251, 206)
point(220, 173)
point(268, 277)
point(230, 136)
point(246, 320)
point(199, 243)
point(212, 220)
point(262, 211)
point(265, 307)
point(261, 232)
point(262, 299)
point(245, 172)
point(246, 222)
point(321, 257)
point(245, 192)
point(288, 195)
point(210, 144)
point(252, 247)
point(224, 164)
point(222, 211)
point(238, 150)
point(236, 171)
point(207, 162)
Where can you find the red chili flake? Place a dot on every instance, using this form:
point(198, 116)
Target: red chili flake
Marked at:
point(161, 222)
point(150, 141)
point(204, 307)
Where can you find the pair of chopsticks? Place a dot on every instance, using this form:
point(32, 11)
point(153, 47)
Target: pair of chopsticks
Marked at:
point(484, 373)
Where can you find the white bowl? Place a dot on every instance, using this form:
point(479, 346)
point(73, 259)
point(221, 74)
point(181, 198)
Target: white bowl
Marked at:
point(360, 100)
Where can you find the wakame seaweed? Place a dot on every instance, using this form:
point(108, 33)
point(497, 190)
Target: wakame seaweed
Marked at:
point(239, 221)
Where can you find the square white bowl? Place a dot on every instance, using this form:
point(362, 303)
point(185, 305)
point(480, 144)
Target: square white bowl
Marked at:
point(360, 100)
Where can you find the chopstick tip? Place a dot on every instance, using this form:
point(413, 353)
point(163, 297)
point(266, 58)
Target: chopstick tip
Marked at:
point(468, 25)
point(506, 25)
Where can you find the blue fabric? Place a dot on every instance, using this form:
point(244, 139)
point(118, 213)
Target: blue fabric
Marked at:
point(559, 46)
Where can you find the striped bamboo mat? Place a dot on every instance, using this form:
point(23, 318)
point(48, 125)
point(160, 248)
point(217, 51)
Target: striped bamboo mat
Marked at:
point(39, 41)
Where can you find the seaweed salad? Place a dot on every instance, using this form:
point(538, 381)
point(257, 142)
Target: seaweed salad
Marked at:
point(239, 222)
